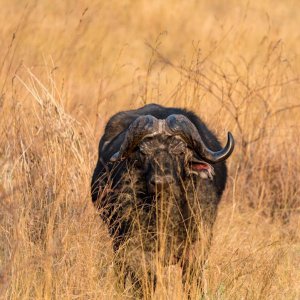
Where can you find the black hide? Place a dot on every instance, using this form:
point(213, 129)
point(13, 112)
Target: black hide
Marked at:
point(133, 212)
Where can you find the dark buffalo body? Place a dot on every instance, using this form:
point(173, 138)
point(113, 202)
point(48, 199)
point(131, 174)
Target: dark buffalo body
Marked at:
point(158, 181)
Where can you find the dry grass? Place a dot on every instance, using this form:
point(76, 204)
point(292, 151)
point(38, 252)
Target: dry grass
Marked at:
point(65, 67)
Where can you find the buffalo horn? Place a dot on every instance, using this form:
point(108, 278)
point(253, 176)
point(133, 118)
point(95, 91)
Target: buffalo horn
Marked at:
point(182, 126)
point(141, 127)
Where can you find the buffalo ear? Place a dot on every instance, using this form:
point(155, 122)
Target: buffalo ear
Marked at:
point(202, 168)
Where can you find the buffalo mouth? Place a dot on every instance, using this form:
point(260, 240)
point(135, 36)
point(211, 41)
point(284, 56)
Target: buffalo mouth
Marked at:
point(159, 190)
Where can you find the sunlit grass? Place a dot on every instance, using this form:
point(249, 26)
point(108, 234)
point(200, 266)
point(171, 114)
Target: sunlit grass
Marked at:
point(65, 68)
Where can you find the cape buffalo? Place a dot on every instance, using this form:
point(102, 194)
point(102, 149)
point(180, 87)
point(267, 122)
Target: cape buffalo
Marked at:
point(157, 184)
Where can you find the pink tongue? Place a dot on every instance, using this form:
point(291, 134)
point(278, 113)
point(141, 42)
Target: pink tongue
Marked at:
point(200, 167)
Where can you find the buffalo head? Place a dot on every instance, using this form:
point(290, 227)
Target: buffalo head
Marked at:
point(169, 150)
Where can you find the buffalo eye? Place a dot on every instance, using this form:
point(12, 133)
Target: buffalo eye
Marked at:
point(177, 147)
point(144, 150)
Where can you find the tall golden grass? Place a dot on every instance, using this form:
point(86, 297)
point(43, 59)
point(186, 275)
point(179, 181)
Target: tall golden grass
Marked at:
point(66, 67)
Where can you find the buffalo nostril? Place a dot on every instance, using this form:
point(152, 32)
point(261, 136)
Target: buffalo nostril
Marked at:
point(169, 179)
point(156, 182)
point(161, 181)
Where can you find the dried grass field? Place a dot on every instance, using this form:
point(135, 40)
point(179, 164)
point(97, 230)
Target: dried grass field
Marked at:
point(67, 66)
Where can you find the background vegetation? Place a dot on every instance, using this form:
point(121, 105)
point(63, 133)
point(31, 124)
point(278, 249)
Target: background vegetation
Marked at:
point(67, 66)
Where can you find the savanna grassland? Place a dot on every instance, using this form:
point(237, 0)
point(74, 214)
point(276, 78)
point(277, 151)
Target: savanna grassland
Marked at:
point(67, 66)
